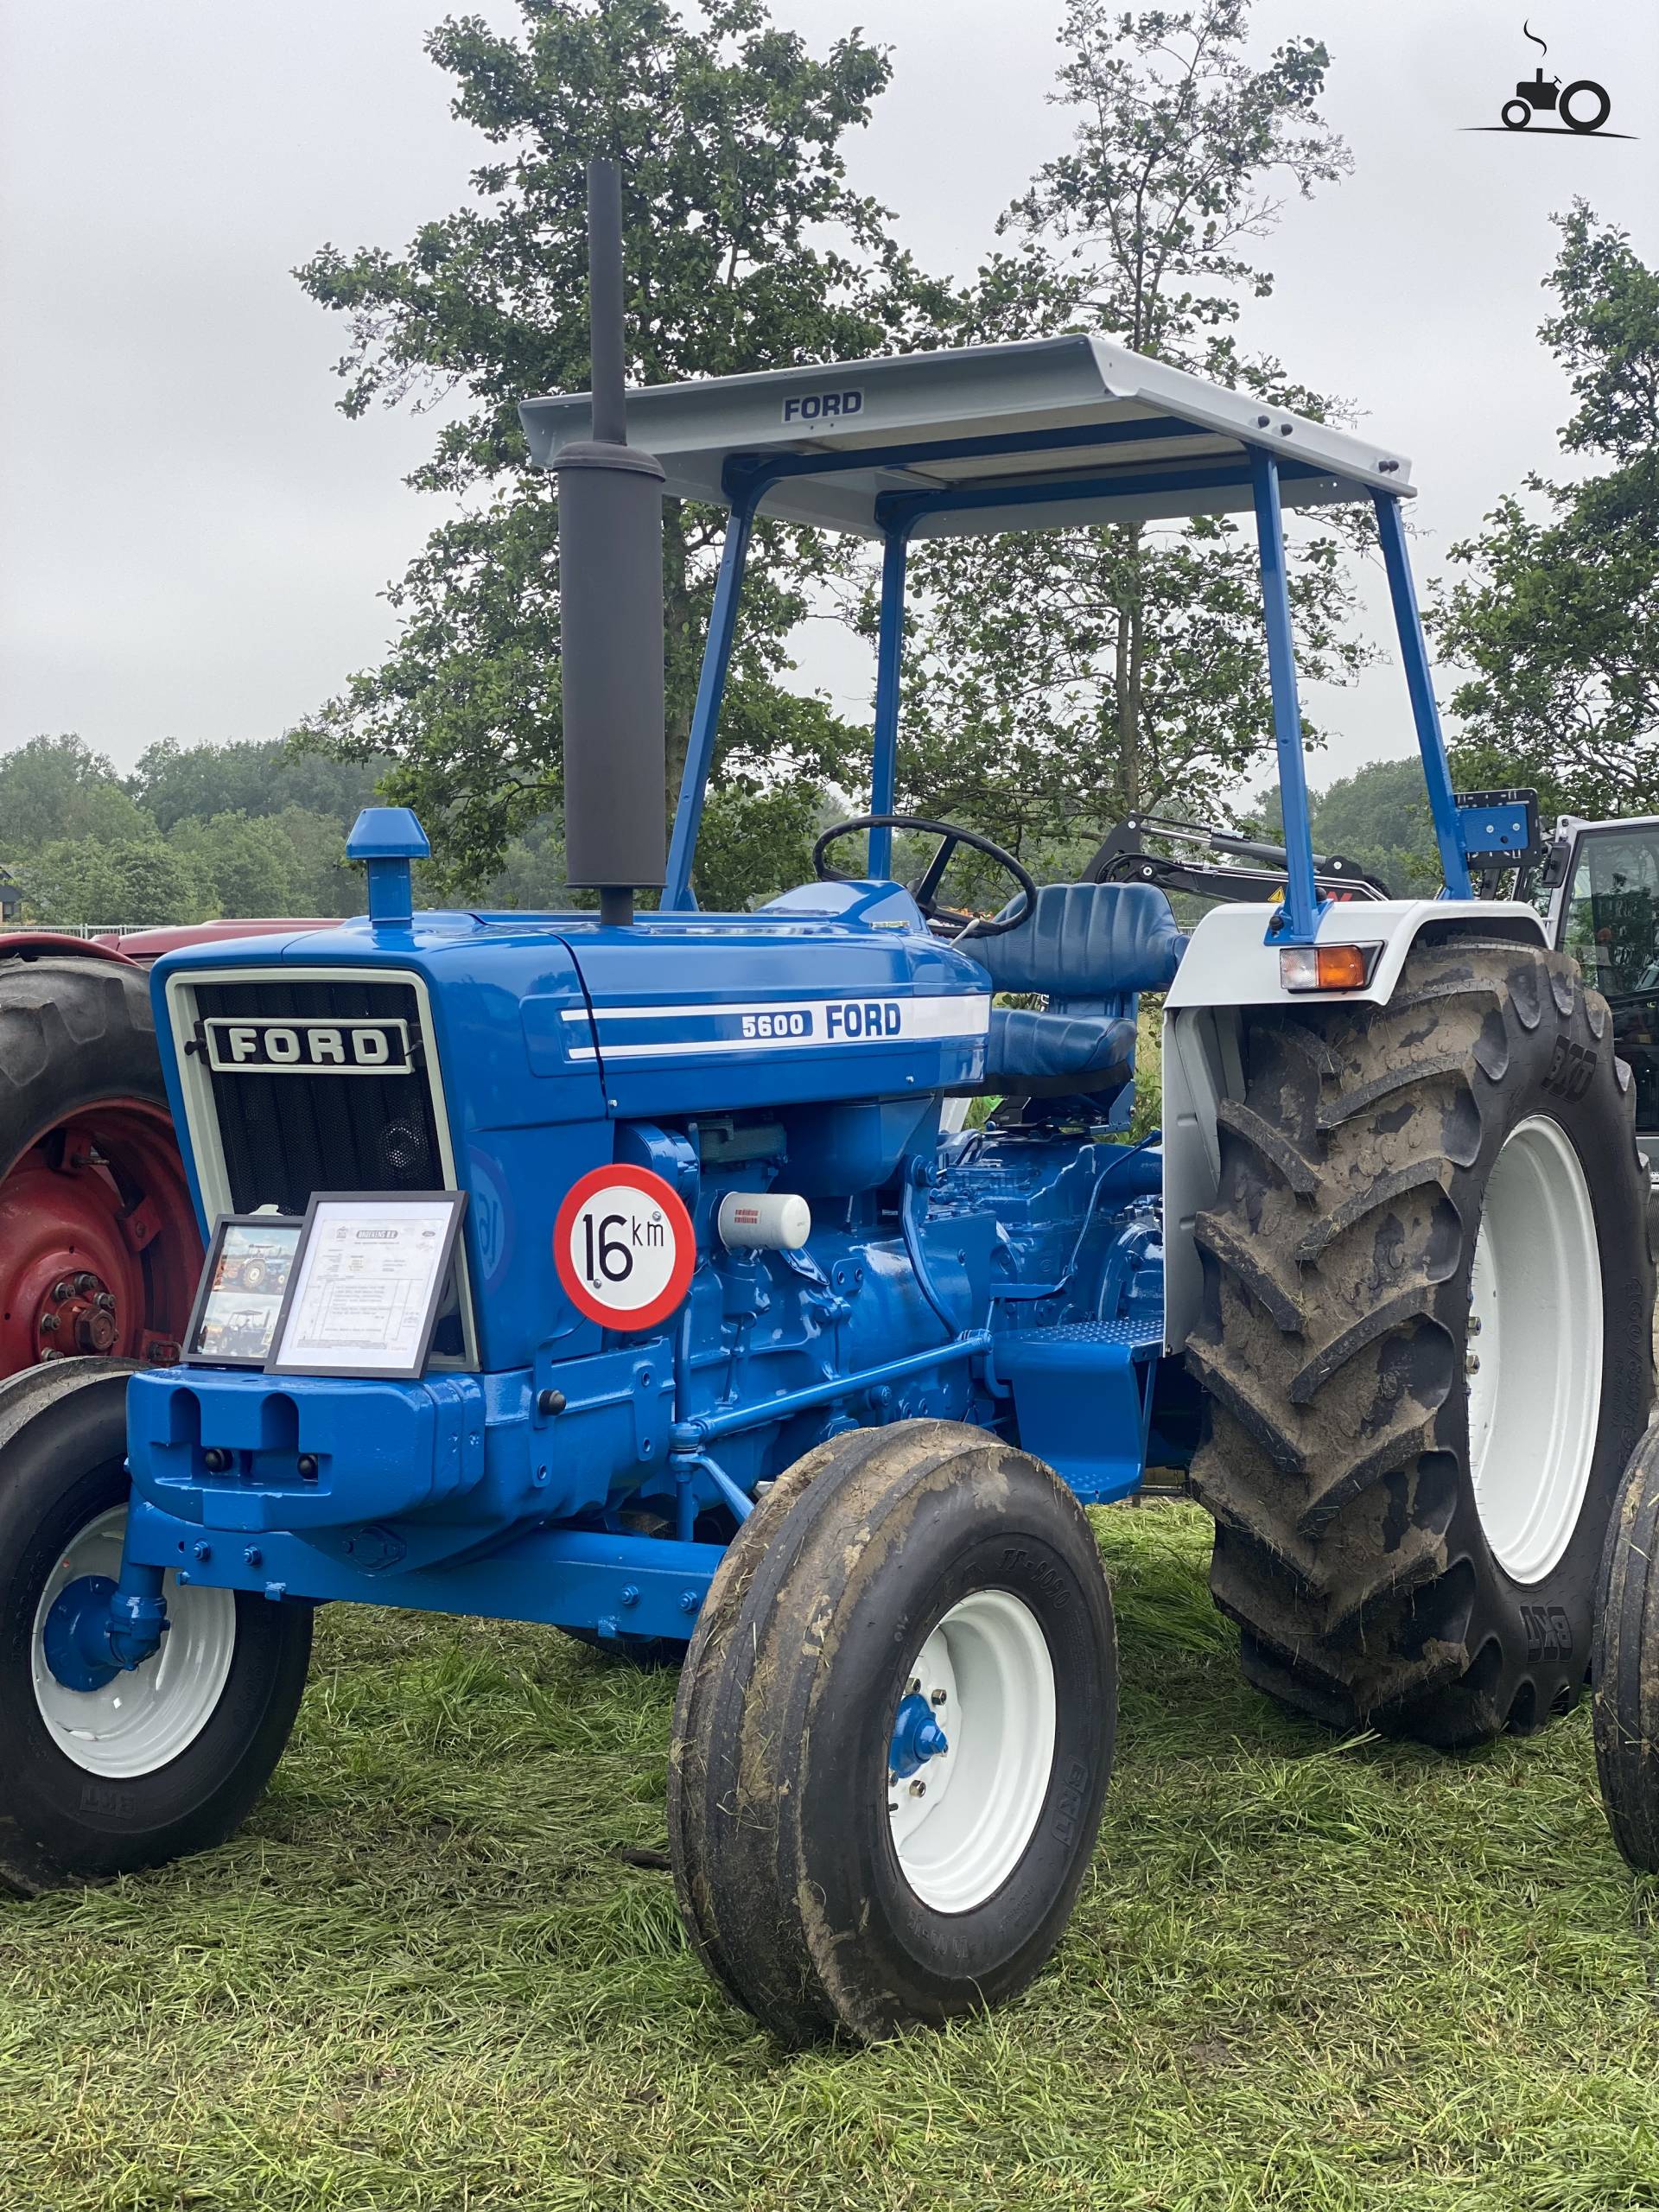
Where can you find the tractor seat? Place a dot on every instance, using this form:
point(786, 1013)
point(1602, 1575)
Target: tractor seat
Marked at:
point(1090, 948)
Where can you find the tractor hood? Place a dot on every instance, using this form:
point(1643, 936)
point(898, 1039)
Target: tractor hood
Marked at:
point(835, 989)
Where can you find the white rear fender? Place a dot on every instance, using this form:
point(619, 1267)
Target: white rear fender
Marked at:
point(1229, 965)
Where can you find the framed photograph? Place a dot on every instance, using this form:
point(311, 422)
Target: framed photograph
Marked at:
point(368, 1284)
point(249, 1267)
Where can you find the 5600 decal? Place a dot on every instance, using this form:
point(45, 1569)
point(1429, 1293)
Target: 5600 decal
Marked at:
point(670, 1032)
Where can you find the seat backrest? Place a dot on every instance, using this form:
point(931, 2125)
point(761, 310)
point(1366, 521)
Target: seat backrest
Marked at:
point(1086, 941)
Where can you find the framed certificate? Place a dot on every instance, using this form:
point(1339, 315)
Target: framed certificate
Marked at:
point(367, 1285)
point(250, 1261)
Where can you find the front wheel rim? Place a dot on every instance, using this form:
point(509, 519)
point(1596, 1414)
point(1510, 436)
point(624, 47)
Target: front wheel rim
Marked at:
point(985, 1673)
point(1535, 1350)
point(142, 1719)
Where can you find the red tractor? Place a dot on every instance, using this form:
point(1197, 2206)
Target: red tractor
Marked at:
point(99, 1253)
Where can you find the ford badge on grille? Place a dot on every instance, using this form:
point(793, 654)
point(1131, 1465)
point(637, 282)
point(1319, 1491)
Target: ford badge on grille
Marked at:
point(301, 1047)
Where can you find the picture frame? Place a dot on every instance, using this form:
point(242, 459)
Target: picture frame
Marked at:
point(368, 1285)
point(243, 1283)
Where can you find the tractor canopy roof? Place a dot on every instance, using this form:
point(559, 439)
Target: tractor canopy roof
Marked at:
point(1061, 430)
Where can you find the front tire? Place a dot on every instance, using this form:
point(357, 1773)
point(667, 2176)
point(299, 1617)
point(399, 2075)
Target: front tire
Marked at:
point(167, 1758)
point(1426, 1348)
point(915, 1605)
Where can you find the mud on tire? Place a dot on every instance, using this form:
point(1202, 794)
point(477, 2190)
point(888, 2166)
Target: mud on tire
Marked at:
point(794, 1884)
point(1338, 1263)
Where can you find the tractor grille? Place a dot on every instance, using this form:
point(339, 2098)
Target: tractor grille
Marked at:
point(284, 1136)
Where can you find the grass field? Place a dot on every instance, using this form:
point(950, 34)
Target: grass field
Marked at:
point(1303, 1973)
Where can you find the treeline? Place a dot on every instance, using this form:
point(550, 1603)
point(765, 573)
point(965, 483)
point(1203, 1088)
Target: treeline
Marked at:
point(197, 833)
point(193, 833)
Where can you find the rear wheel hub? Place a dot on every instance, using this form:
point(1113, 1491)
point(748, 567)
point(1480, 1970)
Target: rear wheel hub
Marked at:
point(98, 1249)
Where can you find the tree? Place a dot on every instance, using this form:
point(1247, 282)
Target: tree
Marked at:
point(56, 787)
point(74, 882)
point(745, 248)
point(1062, 677)
point(248, 864)
point(1555, 621)
point(173, 782)
point(1380, 816)
point(324, 882)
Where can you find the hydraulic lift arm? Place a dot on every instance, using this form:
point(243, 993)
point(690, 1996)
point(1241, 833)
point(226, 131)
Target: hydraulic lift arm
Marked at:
point(1123, 858)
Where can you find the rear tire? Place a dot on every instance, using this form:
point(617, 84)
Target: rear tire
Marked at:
point(1626, 1666)
point(894, 1579)
point(1602, 105)
point(99, 1251)
point(90, 1788)
point(1403, 1545)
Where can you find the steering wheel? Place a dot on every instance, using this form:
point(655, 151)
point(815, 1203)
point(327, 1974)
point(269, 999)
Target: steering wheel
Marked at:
point(949, 921)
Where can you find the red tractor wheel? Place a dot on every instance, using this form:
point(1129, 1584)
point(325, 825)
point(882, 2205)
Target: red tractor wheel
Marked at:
point(99, 1248)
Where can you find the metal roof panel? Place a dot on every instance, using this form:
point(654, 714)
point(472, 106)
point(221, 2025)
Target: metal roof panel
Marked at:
point(1036, 397)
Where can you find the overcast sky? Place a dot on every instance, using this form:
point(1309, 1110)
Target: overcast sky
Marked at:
point(193, 541)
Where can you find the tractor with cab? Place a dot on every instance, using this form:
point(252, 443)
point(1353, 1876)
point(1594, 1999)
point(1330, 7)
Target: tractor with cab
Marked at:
point(752, 1352)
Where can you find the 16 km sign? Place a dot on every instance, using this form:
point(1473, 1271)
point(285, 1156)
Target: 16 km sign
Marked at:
point(624, 1247)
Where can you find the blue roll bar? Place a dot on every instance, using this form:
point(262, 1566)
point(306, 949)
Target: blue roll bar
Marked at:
point(748, 478)
point(678, 894)
point(1420, 682)
point(1298, 920)
point(889, 659)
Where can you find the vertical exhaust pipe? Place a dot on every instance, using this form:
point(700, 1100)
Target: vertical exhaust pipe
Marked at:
point(611, 608)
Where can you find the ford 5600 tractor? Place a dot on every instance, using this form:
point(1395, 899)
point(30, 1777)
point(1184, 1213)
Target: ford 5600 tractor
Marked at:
point(749, 1345)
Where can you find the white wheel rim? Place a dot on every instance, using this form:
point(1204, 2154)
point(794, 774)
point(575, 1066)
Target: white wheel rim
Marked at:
point(986, 1673)
point(141, 1720)
point(1535, 1348)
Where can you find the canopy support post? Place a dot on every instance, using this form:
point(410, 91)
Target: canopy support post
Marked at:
point(889, 661)
point(1297, 921)
point(1420, 682)
point(678, 894)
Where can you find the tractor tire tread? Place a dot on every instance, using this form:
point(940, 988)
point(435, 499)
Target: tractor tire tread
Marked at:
point(1330, 1348)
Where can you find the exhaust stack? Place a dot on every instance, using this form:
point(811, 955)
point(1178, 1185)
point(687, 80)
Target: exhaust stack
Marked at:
point(611, 603)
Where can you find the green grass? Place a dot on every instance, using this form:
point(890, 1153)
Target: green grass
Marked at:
point(1302, 1973)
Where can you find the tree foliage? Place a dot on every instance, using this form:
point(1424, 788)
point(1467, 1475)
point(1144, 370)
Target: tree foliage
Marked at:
point(73, 882)
point(195, 832)
point(1062, 677)
point(745, 248)
point(58, 787)
point(255, 777)
point(1554, 620)
point(1379, 817)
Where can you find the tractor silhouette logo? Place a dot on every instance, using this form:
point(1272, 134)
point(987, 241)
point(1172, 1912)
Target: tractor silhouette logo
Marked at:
point(1583, 105)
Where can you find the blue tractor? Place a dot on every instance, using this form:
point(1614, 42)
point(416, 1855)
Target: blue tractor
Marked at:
point(753, 1354)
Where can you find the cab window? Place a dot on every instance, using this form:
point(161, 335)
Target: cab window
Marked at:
point(1612, 917)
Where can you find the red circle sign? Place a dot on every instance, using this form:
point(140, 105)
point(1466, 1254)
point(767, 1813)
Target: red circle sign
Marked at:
point(624, 1247)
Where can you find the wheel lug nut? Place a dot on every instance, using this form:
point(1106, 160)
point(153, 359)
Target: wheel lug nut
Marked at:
point(913, 1685)
point(1474, 1325)
point(104, 1301)
point(85, 1285)
point(63, 1291)
point(49, 1324)
point(1472, 1363)
point(937, 1698)
point(919, 1787)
